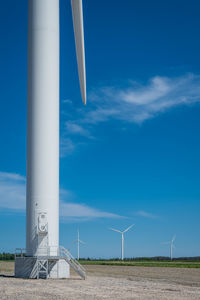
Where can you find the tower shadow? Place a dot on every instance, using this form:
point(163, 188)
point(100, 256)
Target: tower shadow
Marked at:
point(7, 276)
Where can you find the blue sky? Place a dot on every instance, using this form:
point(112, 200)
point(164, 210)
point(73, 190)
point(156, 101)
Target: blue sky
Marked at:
point(132, 154)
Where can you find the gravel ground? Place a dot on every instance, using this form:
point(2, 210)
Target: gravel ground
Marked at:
point(106, 282)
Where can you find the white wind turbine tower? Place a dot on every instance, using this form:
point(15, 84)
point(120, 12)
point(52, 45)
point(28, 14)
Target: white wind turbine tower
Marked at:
point(122, 238)
point(78, 241)
point(42, 196)
point(171, 243)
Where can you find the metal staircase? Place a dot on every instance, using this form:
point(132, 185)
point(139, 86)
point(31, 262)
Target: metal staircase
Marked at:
point(34, 272)
point(42, 268)
point(39, 266)
point(76, 266)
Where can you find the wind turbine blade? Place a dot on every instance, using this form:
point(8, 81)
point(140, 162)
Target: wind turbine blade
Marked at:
point(82, 242)
point(115, 230)
point(173, 239)
point(127, 229)
point(77, 13)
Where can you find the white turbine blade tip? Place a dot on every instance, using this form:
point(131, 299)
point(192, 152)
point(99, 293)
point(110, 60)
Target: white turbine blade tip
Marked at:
point(127, 229)
point(115, 230)
point(82, 242)
point(77, 13)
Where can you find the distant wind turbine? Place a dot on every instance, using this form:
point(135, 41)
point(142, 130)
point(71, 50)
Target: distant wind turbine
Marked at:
point(78, 241)
point(171, 243)
point(122, 238)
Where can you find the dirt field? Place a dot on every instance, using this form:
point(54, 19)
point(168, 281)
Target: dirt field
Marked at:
point(106, 282)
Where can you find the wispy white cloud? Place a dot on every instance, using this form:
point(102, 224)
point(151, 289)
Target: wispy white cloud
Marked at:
point(135, 103)
point(11, 176)
point(67, 147)
point(68, 101)
point(73, 128)
point(13, 197)
point(81, 212)
point(145, 214)
point(138, 103)
point(12, 191)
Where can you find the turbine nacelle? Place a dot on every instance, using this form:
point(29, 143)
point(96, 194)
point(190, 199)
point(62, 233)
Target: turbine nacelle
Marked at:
point(127, 229)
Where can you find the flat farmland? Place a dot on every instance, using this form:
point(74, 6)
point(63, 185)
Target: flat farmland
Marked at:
point(106, 282)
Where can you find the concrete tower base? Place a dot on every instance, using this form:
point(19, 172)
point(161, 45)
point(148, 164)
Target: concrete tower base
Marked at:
point(33, 267)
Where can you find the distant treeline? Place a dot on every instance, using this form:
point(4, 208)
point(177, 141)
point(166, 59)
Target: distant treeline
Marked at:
point(11, 256)
point(7, 256)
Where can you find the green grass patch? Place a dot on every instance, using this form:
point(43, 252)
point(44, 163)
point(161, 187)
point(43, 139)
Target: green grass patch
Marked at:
point(142, 264)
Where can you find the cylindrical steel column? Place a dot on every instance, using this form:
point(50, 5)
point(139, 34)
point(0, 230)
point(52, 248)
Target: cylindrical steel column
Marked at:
point(43, 122)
